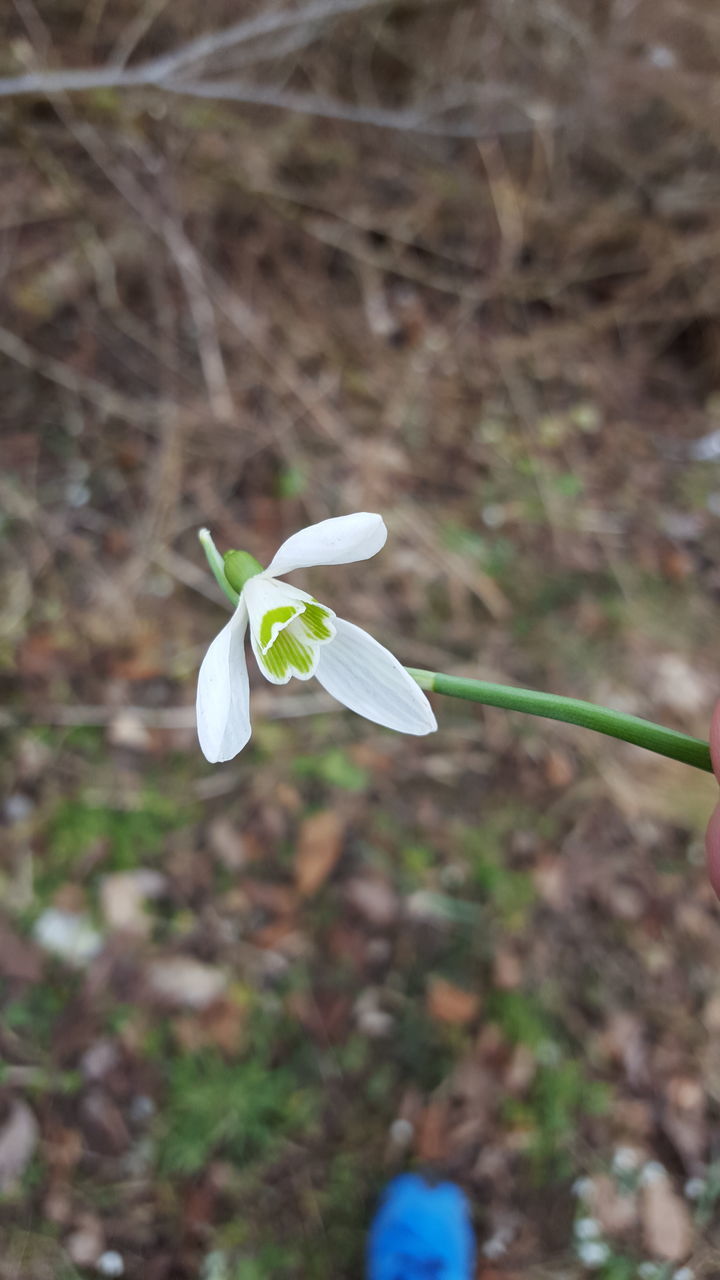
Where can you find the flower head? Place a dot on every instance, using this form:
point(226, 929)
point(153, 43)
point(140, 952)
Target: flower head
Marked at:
point(292, 634)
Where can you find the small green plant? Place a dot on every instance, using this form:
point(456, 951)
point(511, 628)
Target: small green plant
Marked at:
point(334, 768)
point(126, 836)
point(561, 1091)
point(240, 1110)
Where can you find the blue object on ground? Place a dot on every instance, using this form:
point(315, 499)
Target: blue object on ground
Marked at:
point(421, 1232)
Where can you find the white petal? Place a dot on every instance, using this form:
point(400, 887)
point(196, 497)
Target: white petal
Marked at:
point(368, 679)
point(223, 694)
point(337, 541)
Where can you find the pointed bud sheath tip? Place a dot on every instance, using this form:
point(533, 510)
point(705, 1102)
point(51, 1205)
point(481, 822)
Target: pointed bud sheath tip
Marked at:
point(239, 567)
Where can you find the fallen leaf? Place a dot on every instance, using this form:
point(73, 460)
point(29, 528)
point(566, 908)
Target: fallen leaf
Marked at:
point(86, 1242)
point(325, 1014)
point(522, 1069)
point(684, 1117)
point(127, 730)
point(507, 969)
point(679, 686)
point(432, 1132)
point(318, 849)
point(666, 1221)
point(102, 1057)
point(123, 896)
point(277, 899)
point(227, 844)
point(18, 1139)
point(559, 767)
point(103, 1123)
point(372, 1020)
point(374, 899)
point(550, 879)
point(220, 1026)
point(280, 936)
point(19, 958)
point(624, 1040)
point(184, 981)
point(615, 1208)
point(451, 1004)
point(68, 935)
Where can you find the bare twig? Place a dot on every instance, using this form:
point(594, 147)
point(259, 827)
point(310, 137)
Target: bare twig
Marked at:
point(142, 412)
point(425, 119)
point(157, 70)
point(270, 706)
point(177, 73)
point(203, 313)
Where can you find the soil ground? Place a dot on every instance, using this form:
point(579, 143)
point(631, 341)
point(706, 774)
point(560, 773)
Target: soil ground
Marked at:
point(460, 267)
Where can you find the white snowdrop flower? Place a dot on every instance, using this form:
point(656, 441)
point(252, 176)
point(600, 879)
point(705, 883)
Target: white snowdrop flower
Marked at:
point(593, 1253)
point(66, 934)
point(587, 1229)
point(653, 1171)
point(625, 1159)
point(292, 634)
point(111, 1263)
point(582, 1188)
point(684, 1273)
point(695, 1188)
point(648, 1271)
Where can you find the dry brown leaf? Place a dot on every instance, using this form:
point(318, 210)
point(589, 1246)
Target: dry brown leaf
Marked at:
point(522, 1069)
point(86, 1242)
point(374, 899)
point(507, 969)
point(123, 896)
point(278, 935)
point(559, 767)
point(684, 1117)
point(448, 1003)
point(19, 958)
point(433, 1131)
point(318, 849)
point(277, 899)
point(18, 1140)
point(227, 844)
point(103, 1123)
point(221, 1026)
point(666, 1221)
point(615, 1209)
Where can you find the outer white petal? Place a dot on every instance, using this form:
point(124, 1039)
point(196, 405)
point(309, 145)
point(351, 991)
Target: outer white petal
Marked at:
point(368, 679)
point(337, 541)
point(223, 694)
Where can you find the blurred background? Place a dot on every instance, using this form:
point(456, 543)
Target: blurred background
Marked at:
point(458, 262)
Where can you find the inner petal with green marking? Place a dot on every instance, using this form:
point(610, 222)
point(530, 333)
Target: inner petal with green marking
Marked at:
point(287, 628)
point(273, 622)
point(294, 650)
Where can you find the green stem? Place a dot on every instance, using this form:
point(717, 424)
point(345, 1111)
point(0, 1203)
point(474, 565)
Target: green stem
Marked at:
point(217, 565)
point(616, 724)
